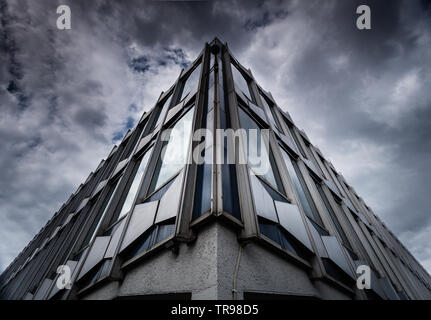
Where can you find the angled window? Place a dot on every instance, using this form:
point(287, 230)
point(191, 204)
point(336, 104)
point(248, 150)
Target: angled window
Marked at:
point(228, 170)
point(332, 215)
point(202, 201)
point(241, 82)
point(271, 113)
point(150, 238)
point(311, 157)
point(163, 109)
point(192, 82)
point(101, 214)
point(273, 232)
point(265, 158)
point(127, 205)
point(296, 139)
point(160, 113)
point(173, 155)
point(300, 188)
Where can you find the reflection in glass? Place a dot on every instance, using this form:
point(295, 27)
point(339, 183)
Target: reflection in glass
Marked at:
point(275, 233)
point(92, 232)
point(240, 81)
point(248, 124)
point(174, 151)
point(127, 205)
point(332, 215)
point(270, 113)
point(163, 110)
point(154, 235)
point(228, 171)
point(202, 201)
point(191, 82)
point(295, 138)
point(301, 191)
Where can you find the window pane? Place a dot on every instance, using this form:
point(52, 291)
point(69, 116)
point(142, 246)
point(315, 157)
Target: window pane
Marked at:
point(164, 231)
point(240, 81)
point(191, 82)
point(135, 184)
point(332, 215)
point(98, 220)
point(254, 160)
point(163, 109)
point(295, 138)
point(174, 151)
point(302, 193)
point(202, 201)
point(270, 113)
point(228, 171)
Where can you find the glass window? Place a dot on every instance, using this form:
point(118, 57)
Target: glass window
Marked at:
point(127, 205)
point(163, 110)
point(96, 273)
point(313, 159)
point(332, 215)
point(271, 111)
point(275, 233)
point(191, 82)
point(202, 201)
point(92, 232)
point(228, 171)
point(255, 161)
point(300, 188)
point(174, 151)
point(297, 142)
point(154, 235)
point(241, 82)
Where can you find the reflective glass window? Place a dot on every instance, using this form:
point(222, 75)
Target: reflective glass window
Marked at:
point(300, 188)
point(228, 171)
point(174, 151)
point(241, 82)
point(92, 232)
point(127, 205)
point(163, 110)
point(271, 111)
point(154, 235)
point(297, 142)
point(191, 82)
point(261, 164)
point(332, 215)
point(202, 201)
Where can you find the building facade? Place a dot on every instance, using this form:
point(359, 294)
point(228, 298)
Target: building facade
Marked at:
point(143, 227)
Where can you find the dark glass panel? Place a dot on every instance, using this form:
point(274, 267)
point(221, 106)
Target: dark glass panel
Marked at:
point(228, 171)
point(332, 215)
point(191, 82)
point(164, 231)
point(301, 188)
point(241, 82)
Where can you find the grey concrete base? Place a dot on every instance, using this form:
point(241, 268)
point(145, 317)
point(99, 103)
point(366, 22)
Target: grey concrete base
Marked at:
point(206, 270)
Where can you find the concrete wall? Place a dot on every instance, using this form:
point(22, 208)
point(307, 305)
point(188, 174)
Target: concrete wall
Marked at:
point(206, 269)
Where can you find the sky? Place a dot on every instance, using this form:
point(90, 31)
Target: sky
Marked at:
point(362, 96)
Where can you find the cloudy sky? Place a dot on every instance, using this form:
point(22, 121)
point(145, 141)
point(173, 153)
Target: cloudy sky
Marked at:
point(67, 96)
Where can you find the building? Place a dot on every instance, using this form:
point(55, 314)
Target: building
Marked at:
point(142, 227)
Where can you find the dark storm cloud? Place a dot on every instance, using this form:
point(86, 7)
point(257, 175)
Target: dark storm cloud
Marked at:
point(362, 96)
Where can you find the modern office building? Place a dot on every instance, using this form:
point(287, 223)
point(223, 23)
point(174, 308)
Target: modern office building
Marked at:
point(143, 227)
